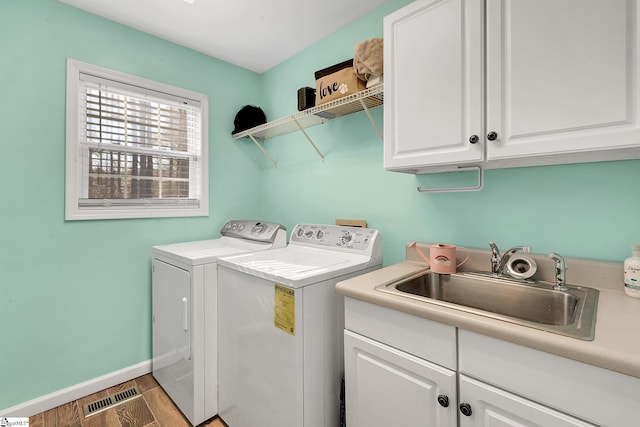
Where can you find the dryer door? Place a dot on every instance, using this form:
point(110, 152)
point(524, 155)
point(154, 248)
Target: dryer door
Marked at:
point(171, 298)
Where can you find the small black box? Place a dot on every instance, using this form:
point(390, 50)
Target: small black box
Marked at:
point(306, 98)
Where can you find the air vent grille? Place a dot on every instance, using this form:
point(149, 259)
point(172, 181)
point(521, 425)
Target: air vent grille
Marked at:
point(110, 401)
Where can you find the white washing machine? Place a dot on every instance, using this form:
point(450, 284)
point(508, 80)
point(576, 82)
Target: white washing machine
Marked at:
point(281, 327)
point(184, 305)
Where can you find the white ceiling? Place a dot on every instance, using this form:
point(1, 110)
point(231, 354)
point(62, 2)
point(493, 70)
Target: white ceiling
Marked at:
point(253, 34)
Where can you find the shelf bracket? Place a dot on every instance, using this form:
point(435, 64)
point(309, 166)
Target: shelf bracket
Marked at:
point(459, 189)
point(309, 139)
point(275, 165)
point(373, 122)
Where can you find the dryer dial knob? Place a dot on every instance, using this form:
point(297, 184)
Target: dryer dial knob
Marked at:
point(259, 228)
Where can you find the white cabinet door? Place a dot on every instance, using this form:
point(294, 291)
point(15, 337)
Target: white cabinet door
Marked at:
point(387, 387)
point(562, 78)
point(433, 85)
point(485, 406)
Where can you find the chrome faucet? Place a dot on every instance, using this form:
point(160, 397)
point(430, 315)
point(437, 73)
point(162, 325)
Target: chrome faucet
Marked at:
point(561, 268)
point(498, 261)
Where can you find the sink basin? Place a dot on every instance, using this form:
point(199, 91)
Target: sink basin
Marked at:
point(571, 313)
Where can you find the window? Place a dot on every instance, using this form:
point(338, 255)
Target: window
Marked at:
point(135, 148)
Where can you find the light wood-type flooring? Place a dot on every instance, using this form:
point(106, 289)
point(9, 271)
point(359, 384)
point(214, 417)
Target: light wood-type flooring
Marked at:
point(153, 409)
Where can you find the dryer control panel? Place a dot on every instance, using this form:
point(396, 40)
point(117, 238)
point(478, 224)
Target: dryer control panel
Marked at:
point(259, 231)
point(334, 236)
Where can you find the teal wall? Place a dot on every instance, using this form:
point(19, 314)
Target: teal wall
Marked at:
point(75, 296)
point(582, 210)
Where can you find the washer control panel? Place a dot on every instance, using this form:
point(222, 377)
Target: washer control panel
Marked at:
point(260, 231)
point(335, 236)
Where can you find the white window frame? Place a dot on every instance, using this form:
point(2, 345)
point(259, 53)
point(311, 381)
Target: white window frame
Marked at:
point(111, 208)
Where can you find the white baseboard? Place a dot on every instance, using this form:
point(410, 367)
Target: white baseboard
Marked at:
point(69, 394)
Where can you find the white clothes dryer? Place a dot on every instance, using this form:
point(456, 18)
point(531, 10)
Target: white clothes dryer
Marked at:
point(184, 306)
point(281, 327)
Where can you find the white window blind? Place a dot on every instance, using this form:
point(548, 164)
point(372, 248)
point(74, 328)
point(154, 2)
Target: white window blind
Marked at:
point(139, 151)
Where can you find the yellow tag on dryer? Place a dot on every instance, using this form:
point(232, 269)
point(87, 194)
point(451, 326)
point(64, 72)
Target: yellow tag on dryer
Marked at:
point(284, 309)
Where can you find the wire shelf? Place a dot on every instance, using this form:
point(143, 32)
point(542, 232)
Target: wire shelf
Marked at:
point(366, 99)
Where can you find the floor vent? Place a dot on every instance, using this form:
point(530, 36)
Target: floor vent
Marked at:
point(108, 402)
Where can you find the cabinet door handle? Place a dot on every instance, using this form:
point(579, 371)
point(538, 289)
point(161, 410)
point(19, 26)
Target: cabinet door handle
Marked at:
point(492, 136)
point(474, 139)
point(443, 400)
point(465, 409)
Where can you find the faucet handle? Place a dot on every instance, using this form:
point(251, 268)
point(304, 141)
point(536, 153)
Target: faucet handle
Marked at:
point(560, 262)
point(561, 268)
point(495, 257)
point(494, 249)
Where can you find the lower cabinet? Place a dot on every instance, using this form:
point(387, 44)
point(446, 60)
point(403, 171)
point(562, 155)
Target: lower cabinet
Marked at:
point(541, 381)
point(485, 406)
point(402, 370)
point(388, 387)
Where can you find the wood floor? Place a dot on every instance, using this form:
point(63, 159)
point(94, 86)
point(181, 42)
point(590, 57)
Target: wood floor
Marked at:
point(153, 409)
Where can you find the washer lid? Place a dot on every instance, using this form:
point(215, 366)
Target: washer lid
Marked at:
point(297, 266)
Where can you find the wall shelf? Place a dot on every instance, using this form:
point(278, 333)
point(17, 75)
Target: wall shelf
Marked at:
point(361, 101)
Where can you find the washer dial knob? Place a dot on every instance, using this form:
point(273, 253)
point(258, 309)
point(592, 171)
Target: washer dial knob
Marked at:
point(347, 238)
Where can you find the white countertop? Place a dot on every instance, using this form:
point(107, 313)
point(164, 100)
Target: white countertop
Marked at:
point(616, 345)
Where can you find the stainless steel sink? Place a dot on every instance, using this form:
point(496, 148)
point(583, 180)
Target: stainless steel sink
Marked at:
point(571, 313)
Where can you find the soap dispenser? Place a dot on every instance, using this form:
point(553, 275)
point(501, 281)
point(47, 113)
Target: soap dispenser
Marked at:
point(632, 272)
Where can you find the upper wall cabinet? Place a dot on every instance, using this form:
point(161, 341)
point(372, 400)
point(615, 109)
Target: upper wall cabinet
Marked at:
point(433, 84)
point(508, 83)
